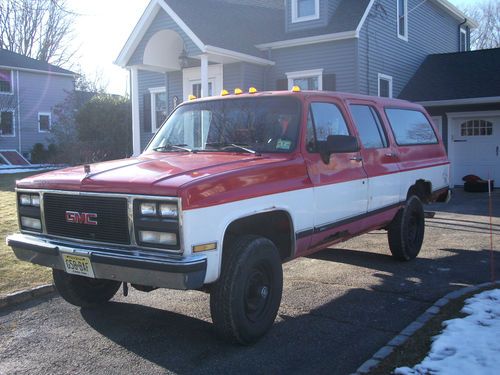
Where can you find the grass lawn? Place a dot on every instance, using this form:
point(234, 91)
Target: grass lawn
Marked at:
point(14, 274)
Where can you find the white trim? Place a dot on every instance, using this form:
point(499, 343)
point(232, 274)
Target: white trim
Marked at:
point(365, 15)
point(144, 22)
point(463, 32)
point(386, 78)
point(471, 114)
point(136, 121)
point(50, 121)
point(13, 135)
point(450, 8)
point(49, 72)
point(295, 11)
point(309, 40)
point(405, 35)
point(152, 92)
point(237, 55)
point(439, 103)
point(305, 74)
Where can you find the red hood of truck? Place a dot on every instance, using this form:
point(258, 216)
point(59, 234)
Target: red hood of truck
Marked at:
point(148, 174)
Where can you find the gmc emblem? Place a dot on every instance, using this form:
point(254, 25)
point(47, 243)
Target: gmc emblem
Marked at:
point(81, 218)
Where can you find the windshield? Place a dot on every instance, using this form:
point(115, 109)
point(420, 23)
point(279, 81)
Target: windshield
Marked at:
point(255, 125)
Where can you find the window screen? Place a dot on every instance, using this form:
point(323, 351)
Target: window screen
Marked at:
point(369, 127)
point(410, 127)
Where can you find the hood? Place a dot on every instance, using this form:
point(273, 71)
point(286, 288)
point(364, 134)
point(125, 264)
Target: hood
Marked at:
point(155, 173)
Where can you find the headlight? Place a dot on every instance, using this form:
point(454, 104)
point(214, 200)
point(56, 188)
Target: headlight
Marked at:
point(29, 200)
point(166, 210)
point(148, 209)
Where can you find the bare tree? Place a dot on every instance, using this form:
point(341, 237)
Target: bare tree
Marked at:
point(40, 29)
point(487, 34)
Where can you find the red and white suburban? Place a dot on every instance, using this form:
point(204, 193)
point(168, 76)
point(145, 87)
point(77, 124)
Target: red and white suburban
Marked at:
point(228, 189)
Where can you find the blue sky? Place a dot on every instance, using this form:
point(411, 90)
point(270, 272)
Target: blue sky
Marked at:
point(102, 29)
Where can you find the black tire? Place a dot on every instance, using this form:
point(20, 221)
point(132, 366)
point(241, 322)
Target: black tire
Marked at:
point(245, 300)
point(406, 231)
point(83, 291)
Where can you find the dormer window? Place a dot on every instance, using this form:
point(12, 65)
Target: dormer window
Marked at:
point(305, 10)
point(403, 19)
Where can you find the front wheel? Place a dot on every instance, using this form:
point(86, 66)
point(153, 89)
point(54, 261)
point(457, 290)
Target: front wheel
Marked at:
point(406, 232)
point(83, 291)
point(245, 300)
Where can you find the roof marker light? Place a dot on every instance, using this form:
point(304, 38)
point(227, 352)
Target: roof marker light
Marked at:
point(238, 91)
point(252, 90)
point(191, 97)
point(295, 89)
point(224, 93)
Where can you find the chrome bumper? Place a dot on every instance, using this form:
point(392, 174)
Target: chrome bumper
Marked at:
point(135, 266)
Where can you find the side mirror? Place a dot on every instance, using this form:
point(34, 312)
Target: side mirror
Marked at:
point(338, 144)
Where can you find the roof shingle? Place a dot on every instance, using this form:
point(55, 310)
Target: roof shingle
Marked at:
point(15, 60)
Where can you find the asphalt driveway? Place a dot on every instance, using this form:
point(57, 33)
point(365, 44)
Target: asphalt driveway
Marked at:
point(338, 308)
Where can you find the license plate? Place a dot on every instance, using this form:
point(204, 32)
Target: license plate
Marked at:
point(78, 265)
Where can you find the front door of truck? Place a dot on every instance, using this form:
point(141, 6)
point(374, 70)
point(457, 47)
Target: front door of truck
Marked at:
point(340, 183)
point(380, 158)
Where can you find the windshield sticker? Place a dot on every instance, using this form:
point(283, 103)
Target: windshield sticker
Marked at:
point(283, 144)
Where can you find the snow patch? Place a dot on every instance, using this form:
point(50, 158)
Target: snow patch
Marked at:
point(469, 345)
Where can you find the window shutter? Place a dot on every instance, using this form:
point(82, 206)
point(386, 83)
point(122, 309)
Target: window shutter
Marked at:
point(282, 84)
point(147, 126)
point(329, 82)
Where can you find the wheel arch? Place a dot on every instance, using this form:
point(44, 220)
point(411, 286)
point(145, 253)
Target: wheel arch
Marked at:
point(422, 189)
point(275, 224)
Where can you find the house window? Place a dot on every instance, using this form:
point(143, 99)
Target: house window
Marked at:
point(473, 128)
point(5, 81)
point(7, 123)
point(305, 10)
point(403, 19)
point(384, 86)
point(196, 88)
point(159, 107)
point(463, 40)
point(306, 80)
point(44, 122)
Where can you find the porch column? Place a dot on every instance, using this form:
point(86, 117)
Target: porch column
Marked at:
point(136, 123)
point(204, 75)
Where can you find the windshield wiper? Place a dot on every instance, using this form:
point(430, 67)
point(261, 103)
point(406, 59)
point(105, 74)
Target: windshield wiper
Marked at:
point(234, 145)
point(175, 147)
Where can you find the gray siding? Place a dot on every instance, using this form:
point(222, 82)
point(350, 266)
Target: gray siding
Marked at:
point(147, 80)
point(39, 92)
point(232, 76)
point(162, 21)
point(430, 30)
point(325, 11)
point(253, 76)
point(334, 57)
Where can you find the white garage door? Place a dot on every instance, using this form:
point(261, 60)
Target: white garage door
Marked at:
point(476, 148)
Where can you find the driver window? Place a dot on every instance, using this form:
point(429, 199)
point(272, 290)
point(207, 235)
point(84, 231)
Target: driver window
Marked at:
point(326, 119)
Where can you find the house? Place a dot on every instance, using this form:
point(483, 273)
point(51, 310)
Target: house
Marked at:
point(29, 89)
point(199, 47)
point(462, 93)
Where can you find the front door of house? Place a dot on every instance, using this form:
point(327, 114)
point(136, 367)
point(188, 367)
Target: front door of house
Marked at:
point(191, 78)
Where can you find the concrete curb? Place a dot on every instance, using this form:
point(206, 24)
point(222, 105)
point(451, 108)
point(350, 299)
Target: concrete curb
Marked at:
point(406, 333)
point(25, 295)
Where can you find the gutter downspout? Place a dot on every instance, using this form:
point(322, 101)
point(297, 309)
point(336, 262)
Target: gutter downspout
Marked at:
point(18, 114)
point(467, 47)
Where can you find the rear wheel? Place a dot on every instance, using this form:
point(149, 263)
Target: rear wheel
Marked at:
point(83, 291)
point(245, 300)
point(406, 232)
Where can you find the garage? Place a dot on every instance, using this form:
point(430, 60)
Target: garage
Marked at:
point(461, 92)
point(474, 145)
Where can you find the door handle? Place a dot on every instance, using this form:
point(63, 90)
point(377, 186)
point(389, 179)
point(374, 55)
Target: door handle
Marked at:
point(356, 158)
point(391, 154)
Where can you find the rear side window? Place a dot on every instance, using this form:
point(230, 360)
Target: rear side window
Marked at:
point(410, 127)
point(369, 127)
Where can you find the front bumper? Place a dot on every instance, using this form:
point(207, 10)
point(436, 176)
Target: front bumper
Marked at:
point(131, 265)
